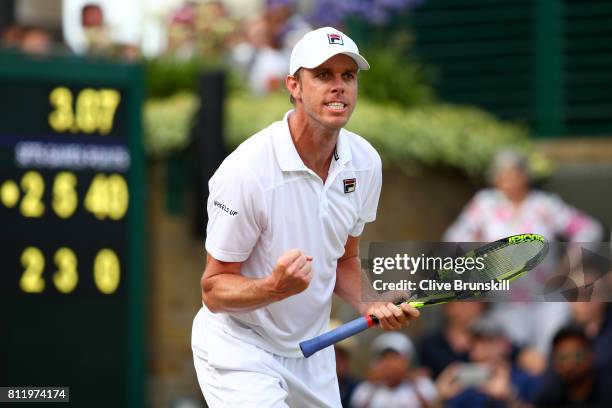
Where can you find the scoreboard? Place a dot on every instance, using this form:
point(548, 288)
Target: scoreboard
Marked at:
point(72, 228)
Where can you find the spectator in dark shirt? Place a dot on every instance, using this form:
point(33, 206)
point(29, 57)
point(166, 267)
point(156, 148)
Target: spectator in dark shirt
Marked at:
point(574, 381)
point(596, 320)
point(453, 342)
point(392, 381)
point(491, 379)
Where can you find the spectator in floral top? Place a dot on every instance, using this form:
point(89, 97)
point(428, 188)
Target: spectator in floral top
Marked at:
point(511, 207)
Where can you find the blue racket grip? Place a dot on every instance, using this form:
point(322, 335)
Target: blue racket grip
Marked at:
point(309, 347)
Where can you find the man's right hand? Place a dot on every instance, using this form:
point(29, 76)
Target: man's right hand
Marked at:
point(291, 275)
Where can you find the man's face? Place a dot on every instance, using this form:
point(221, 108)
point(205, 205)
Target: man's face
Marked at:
point(93, 17)
point(463, 313)
point(328, 92)
point(393, 367)
point(490, 349)
point(573, 360)
point(512, 181)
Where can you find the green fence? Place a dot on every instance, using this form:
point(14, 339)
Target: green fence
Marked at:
point(547, 63)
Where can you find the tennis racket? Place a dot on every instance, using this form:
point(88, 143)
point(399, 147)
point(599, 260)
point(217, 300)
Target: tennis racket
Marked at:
point(504, 260)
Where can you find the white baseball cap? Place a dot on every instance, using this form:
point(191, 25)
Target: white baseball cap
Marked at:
point(319, 45)
point(396, 341)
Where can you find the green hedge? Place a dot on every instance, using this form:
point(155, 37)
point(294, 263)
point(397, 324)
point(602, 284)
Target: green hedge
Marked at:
point(396, 80)
point(446, 135)
point(167, 123)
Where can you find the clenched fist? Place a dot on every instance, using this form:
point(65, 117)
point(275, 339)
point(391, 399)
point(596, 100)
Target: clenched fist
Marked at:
point(291, 275)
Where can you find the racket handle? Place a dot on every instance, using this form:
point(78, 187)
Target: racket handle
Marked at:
point(309, 347)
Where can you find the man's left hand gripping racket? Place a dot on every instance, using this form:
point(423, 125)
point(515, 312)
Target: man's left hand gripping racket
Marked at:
point(505, 260)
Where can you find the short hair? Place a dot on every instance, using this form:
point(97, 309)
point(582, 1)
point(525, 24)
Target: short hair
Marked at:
point(296, 75)
point(571, 332)
point(90, 7)
point(509, 157)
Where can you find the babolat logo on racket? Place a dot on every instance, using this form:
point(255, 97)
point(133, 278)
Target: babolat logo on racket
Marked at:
point(349, 185)
point(335, 39)
point(525, 238)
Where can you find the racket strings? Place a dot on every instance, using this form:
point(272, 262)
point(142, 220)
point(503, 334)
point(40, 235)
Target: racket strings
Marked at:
point(501, 261)
point(504, 260)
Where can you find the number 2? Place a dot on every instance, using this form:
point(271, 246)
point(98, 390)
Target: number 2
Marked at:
point(34, 186)
point(33, 261)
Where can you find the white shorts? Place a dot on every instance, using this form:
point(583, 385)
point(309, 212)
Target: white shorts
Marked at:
point(234, 373)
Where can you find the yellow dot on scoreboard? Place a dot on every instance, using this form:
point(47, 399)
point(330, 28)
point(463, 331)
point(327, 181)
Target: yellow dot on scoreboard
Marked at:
point(9, 193)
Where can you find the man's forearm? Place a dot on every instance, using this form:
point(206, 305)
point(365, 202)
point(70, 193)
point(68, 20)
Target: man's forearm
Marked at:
point(236, 293)
point(354, 288)
point(349, 284)
point(225, 289)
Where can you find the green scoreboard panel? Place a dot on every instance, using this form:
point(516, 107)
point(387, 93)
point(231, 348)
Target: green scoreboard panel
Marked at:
point(71, 228)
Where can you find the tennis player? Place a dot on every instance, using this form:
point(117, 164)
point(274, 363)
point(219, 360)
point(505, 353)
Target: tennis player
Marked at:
point(286, 210)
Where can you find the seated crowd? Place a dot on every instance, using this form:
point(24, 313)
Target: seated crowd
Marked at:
point(471, 361)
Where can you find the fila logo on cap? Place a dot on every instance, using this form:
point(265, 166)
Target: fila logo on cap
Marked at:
point(335, 39)
point(349, 185)
point(312, 50)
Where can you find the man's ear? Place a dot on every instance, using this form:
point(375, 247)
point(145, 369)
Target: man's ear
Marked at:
point(294, 87)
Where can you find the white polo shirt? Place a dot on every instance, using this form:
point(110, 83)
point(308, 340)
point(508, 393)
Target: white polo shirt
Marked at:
point(264, 201)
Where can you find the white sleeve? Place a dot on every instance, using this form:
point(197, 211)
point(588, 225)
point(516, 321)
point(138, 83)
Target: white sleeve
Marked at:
point(236, 214)
point(467, 227)
point(427, 389)
point(575, 225)
point(362, 396)
point(370, 196)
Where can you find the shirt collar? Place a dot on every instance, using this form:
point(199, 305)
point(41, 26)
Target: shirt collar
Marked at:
point(288, 157)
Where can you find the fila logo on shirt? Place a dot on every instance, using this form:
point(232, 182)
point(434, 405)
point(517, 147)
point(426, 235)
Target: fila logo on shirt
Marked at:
point(349, 185)
point(335, 39)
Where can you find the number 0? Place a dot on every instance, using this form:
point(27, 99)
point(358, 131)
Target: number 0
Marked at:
point(107, 271)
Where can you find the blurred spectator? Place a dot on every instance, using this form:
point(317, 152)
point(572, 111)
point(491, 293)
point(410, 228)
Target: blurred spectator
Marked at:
point(454, 340)
point(181, 33)
point(264, 66)
point(574, 381)
point(268, 71)
point(596, 320)
point(201, 30)
point(243, 52)
point(391, 381)
point(36, 41)
point(512, 207)
point(95, 29)
point(31, 40)
point(491, 380)
point(12, 36)
point(344, 351)
point(285, 24)
point(98, 36)
point(213, 29)
point(262, 56)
